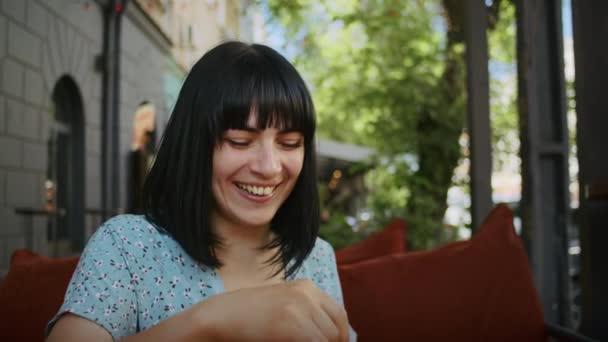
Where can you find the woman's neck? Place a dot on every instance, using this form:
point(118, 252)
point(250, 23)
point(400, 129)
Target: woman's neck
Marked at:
point(242, 244)
point(244, 262)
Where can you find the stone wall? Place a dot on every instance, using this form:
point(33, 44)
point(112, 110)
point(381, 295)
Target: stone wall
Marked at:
point(41, 41)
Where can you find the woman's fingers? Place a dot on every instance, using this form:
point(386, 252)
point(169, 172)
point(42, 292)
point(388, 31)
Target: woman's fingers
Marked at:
point(333, 314)
point(298, 310)
point(311, 330)
point(326, 325)
point(337, 314)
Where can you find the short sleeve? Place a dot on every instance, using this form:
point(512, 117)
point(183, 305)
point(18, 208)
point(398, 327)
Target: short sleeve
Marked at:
point(102, 289)
point(325, 275)
point(325, 272)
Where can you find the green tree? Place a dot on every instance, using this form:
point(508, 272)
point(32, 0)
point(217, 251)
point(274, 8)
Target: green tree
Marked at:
point(388, 74)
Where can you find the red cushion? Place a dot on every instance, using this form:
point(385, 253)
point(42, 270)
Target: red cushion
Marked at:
point(385, 242)
point(31, 294)
point(476, 290)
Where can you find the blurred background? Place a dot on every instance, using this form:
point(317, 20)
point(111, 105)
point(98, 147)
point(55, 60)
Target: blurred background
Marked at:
point(432, 111)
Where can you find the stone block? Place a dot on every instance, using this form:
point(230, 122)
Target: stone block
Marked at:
point(10, 152)
point(23, 45)
point(40, 242)
point(47, 68)
point(32, 122)
point(45, 126)
point(73, 44)
point(14, 9)
point(12, 77)
point(14, 243)
point(4, 260)
point(36, 18)
point(93, 180)
point(2, 114)
point(23, 120)
point(34, 91)
point(21, 189)
point(81, 65)
point(95, 86)
point(93, 140)
point(12, 223)
point(2, 187)
point(3, 24)
point(40, 190)
point(85, 91)
point(35, 156)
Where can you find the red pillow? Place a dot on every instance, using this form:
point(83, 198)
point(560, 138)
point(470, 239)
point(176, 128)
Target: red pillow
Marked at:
point(476, 290)
point(388, 241)
point(32, 293)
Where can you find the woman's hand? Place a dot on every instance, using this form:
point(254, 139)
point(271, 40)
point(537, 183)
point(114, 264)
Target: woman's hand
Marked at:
point(294, 311)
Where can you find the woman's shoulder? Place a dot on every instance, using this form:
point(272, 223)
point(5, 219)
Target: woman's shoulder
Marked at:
point(322, 250)
point(128, 224)
point(122, 231)
point(320, 267)
point(321, 257)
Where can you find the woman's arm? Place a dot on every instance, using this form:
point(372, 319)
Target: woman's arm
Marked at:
point(277, 312)
point(180, 327)
point(75, 328)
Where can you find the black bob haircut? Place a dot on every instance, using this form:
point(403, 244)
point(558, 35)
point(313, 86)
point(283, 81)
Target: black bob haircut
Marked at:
point(228, 83)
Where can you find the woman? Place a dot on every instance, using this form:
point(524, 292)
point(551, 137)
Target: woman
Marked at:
point(228, 247)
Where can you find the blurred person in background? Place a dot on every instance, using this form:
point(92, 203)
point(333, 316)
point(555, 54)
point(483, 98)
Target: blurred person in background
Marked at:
point(141, 155)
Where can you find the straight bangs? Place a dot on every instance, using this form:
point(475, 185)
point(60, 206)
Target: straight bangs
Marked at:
point(268, 88)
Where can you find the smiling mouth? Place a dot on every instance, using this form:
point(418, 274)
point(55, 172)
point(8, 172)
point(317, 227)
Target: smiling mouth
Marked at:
point(260, 191)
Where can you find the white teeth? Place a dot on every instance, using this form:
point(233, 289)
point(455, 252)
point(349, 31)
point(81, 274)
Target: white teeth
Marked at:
point(256, 190)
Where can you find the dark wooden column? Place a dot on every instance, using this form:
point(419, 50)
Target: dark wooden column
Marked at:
point(478, 104)
point(544, 151)
point(590, 21)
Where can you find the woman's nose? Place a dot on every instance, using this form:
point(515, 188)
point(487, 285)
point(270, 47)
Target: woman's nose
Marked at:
point(266, 162)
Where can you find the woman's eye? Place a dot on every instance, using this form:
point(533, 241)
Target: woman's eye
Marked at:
point(238, 142)
point(292, 143)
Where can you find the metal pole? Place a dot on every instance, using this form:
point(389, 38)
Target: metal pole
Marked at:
point(478, 104)
point(119, 9)
point(106, 66)
point(590, 28)
point(544, 152)
point(110, 110)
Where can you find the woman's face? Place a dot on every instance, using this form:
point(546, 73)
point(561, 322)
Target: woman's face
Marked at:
point(254, 172)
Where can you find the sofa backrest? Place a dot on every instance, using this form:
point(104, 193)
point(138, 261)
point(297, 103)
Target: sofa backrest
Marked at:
point(476, 290)
point(31, 294)
point(389, 240)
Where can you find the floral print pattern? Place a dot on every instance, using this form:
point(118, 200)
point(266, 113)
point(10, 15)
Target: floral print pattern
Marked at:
point(132, 275)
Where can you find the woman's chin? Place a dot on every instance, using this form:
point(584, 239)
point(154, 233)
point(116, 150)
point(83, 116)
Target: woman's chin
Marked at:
point(262, 222)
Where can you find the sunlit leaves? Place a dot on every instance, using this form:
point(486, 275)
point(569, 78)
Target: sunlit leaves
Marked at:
point(385, 74)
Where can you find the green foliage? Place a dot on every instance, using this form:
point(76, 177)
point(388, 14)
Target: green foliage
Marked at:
point(338, 232)
point(503, 89)
point(374, 67)
point(369, 65)
point(388, 74)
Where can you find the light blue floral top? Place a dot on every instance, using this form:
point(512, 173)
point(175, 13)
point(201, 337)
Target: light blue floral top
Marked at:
point(132, 275)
